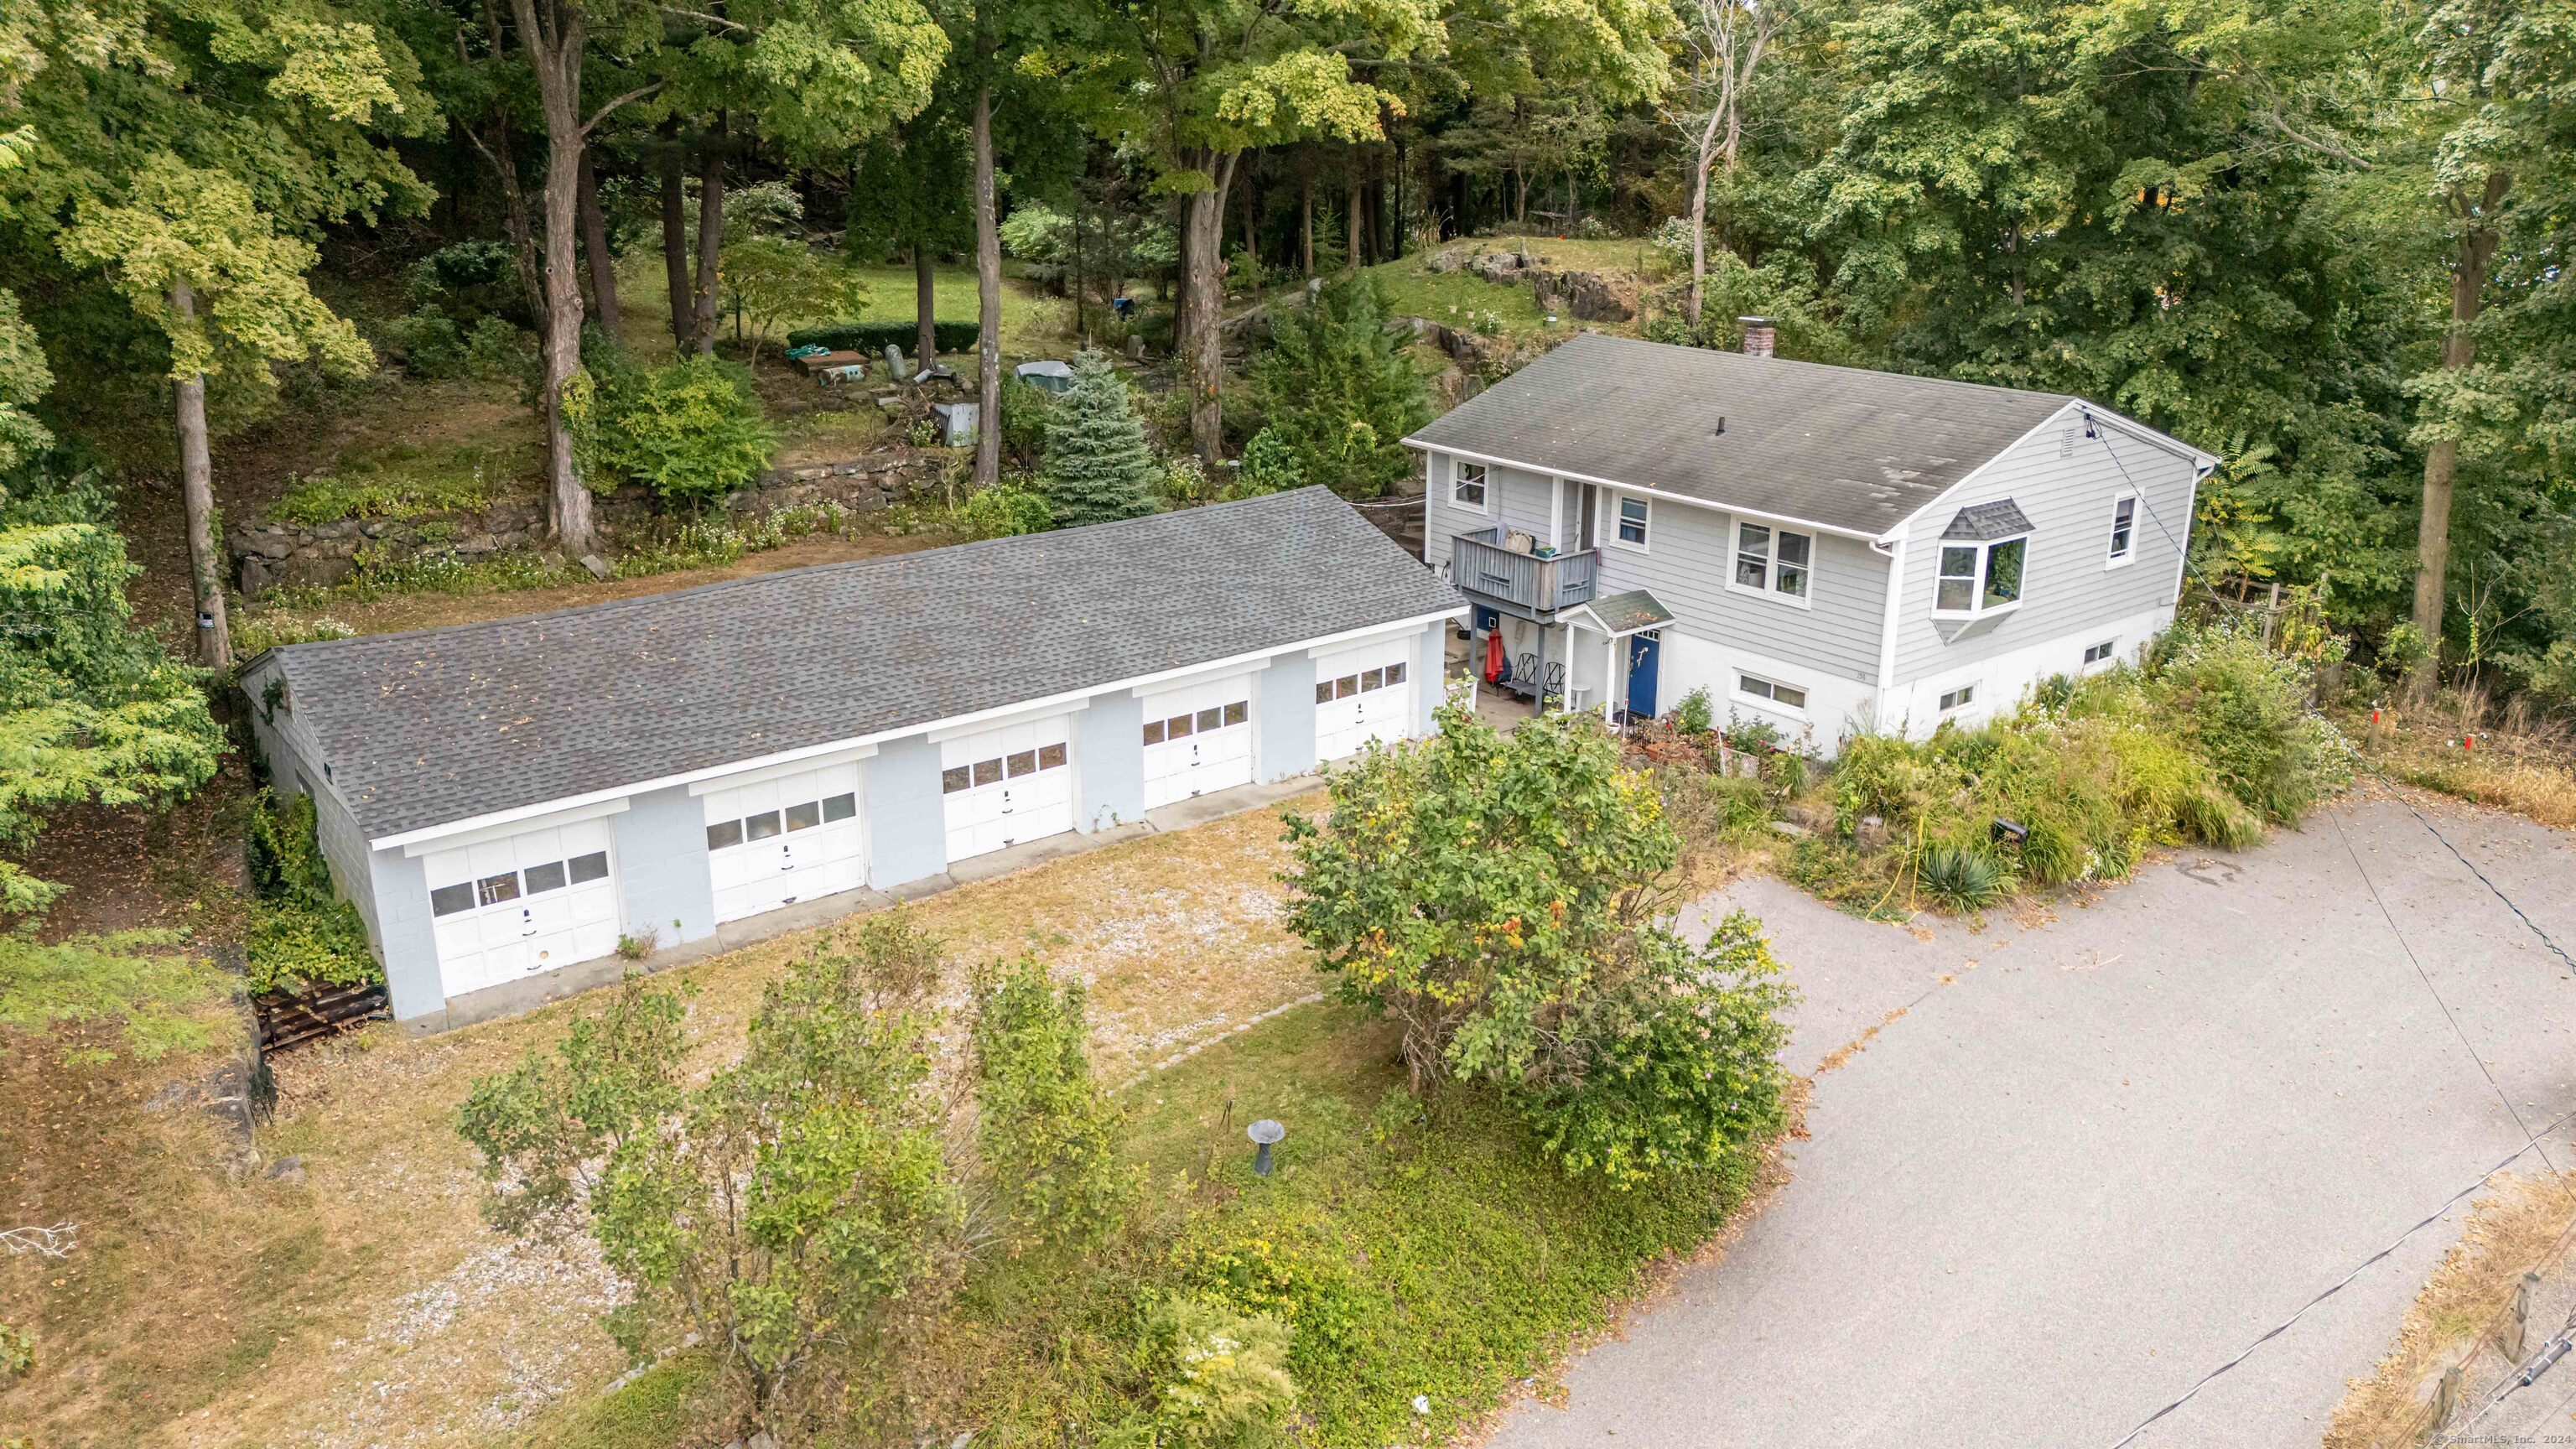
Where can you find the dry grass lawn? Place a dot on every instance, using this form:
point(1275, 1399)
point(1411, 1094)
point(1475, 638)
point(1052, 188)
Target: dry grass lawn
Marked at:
point(2525, 1225)
point(2523, 766)
point(211, 1304)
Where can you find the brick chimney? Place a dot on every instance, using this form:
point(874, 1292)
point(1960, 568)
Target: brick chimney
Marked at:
point(1757, 335)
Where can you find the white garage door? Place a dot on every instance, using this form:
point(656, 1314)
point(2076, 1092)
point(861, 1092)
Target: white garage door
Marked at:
point(511, 908)
point(1361, 695)
point(1198, 739)
point(1005, 786)
point(784, 840)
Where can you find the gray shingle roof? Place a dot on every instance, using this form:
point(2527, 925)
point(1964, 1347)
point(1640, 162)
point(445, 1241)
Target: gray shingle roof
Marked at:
point(1839, 446)
point(441, 725)
point(1626, 613)
point(1986, 522)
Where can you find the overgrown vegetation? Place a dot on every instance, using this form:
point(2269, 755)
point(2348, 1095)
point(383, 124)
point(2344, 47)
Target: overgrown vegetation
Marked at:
point(1505, 901)
point(808, 1210)
point(404, 481)
point(692, 431)
point(302, 934)
point(2206, 741)
point(1338, 392)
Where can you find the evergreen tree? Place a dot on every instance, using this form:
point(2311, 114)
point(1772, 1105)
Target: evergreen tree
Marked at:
point(1338, 391)
point(1098, 465)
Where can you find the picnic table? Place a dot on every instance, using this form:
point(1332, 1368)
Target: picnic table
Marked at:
point(822, 362)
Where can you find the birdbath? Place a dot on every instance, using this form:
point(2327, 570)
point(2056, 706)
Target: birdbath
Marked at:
point(1263, 1133)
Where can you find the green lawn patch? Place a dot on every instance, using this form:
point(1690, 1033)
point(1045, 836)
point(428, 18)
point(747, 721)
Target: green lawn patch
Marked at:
point(405, 480)
point(1413, 1249)
point(652, 1410)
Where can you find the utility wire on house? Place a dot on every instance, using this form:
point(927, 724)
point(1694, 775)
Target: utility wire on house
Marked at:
point(2102, 434)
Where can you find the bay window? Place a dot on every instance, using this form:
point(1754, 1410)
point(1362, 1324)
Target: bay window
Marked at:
point(1979, 578)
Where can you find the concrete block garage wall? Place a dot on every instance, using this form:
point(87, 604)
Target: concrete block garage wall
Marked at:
point(908, 824)
point(1287, 725)
point(1109, 761)
point(668, 890)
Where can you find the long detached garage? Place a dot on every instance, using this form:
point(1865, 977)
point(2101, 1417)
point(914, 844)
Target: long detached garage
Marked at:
point(508, 799)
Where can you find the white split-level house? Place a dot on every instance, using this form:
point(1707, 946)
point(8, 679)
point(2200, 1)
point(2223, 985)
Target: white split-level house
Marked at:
point(1831, 549)
point(504, 800)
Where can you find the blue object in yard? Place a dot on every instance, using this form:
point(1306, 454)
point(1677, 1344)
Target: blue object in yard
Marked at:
point(808, 350)
point(1642, 651)
point(1122, 307)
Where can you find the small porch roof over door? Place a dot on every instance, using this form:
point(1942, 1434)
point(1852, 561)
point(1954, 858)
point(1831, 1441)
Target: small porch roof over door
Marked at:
point(1623, 614)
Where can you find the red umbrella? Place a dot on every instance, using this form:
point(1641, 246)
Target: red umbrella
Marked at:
point(1494, 657)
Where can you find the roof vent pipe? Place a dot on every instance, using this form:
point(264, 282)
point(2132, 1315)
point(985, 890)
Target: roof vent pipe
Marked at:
point(1757, 335)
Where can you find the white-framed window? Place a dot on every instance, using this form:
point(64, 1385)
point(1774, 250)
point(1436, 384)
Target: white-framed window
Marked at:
point(1630, 519)
point(1779, 562)
point(2124, 530)
point(1754, 686)
point(1980, 578)
point(2096, 653)
point(1467, 485)
point(1952, 699)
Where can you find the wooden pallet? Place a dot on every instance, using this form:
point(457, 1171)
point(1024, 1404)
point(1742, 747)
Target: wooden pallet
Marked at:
point(288, 1021)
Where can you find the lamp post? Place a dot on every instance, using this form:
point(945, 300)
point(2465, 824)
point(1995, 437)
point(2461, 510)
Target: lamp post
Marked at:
point(1263, 1133)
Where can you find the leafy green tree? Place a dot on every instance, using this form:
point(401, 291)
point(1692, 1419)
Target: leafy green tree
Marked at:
point(1046, 1134)
point(1098, 465)
point(192, 254)
point(194, 195)
point(776, 280)
point(808, 1207)
point(1497, 896)
point(1338, 392)
point(91, 708)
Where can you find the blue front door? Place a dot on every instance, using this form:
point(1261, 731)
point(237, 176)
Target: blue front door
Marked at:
point(1641, 675)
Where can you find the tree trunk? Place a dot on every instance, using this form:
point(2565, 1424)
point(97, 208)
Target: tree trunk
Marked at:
point(1353, 229)
point(2442, 460)
point(988, 287)
point(555, 53)
point(1203, 350)
point(710, 234)
point(1081, 320)
point(1182, 291)
point(1696, 298)
point(1400, 170)
point(675, 241)
point(197, 495)
point(925, 305)
point(594, 241)
point(1306, 225)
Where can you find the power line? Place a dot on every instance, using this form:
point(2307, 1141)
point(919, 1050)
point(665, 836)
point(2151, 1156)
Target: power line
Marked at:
point(2103, 435)
point(2340, 1284)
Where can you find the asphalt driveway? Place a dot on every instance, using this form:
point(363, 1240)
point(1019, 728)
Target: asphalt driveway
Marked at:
point(2080, 1164)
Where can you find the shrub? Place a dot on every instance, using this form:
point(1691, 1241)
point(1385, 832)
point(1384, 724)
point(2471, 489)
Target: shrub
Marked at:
point(429, 344)
point(1962, 878)
point(1221, 1375)
point(1024, 408)
point(496, 351)
point(872, 337)
point(467, 282)
point(1269, 465)
point(1694, 715)
point(693, 431)
point(1047, 1133)
point(1005, 510)
point(1495, 896)
point(302, 935)
point(2244, 710)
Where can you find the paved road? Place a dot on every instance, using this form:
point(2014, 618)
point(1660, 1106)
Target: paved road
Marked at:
point(2092, 1160)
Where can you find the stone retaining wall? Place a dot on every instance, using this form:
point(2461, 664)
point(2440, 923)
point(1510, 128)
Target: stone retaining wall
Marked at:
point(271, 554)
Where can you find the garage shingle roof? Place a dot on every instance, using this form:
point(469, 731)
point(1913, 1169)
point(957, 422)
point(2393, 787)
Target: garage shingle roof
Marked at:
point(1839, 446)
point(442, 725)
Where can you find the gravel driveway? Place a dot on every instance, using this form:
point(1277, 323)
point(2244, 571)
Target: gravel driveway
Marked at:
point(2084, 1162)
